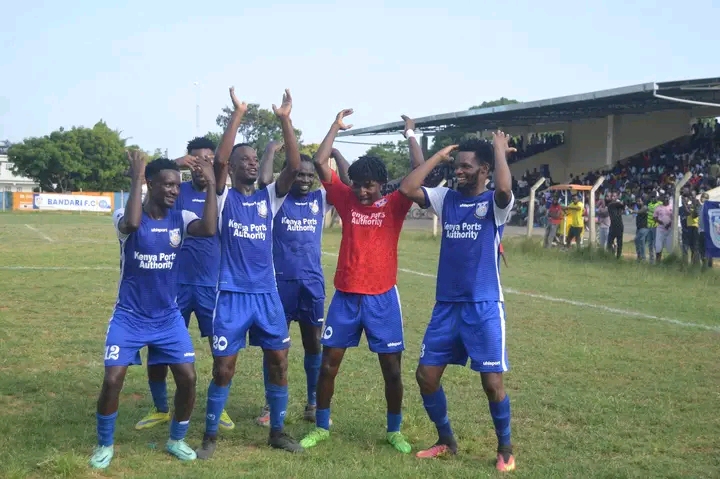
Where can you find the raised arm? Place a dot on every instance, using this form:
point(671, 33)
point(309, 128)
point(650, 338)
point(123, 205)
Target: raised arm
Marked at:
point(207, 225)
point(342, 165)
point(222, 155)
point(416, 154)
point(322, 156)
point(130, 222)
point(292, 152)
point(411, 185)
point(502, 175)
point(266, 163)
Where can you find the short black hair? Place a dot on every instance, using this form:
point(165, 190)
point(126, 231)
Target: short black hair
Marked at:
point(201, 143)
point(156, 166)
point(303, 158)
point(240, 145)
point(483, 150)
point(368, 168)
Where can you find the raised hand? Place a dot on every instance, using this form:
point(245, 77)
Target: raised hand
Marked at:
point(501, 141)
point(239, 106)
point(137, 161)
point(445, 153)
point(275, 145)
point(409, 123)
point(204, 166)
point(285, 107)
point(341, 116)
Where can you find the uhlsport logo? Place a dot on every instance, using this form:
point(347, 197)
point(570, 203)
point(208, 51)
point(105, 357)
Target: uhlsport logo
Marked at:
point(175, 238)
point(481, 210)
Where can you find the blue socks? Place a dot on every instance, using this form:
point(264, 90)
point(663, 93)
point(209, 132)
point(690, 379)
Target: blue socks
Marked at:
point(322, 418)
point(393, 422)
point(178, 430)
point(216, 398)
point(312, 373)
point(106, 428)
point(159, 395)
point(500, 412)
point(436, 407)
point(277, 399)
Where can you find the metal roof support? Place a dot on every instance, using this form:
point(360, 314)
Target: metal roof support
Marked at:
point(683, 100)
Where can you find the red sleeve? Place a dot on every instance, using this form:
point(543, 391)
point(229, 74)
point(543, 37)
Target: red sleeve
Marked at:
point(337, 192)
point(399, 205)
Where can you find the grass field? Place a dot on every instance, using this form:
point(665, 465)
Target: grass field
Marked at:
point(625, 382)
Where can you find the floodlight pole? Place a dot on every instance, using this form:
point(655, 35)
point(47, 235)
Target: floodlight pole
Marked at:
point(531, 205)
point(676, 209)
point(591, 208)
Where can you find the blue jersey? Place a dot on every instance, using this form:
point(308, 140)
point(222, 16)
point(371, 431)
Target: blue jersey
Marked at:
point(297, 234)
point(199, 257)
point(472, 227)
point(148, 264)
point(245, 225)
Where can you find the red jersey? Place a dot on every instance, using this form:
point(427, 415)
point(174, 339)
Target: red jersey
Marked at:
point(368, 261)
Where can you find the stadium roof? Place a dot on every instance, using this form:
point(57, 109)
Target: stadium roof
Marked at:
point(643, 98)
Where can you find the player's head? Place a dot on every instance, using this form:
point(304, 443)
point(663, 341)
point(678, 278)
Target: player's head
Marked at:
point(305, 176)
point(163, 182)
point(614, 195)
point(368, 174)
point(474, 162)
point(201, 147)
point(575, 198)
point(244, 164)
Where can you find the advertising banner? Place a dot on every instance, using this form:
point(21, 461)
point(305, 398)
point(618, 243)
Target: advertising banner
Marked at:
point(97, 202)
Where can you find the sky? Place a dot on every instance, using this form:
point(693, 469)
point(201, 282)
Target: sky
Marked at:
point(134, 64)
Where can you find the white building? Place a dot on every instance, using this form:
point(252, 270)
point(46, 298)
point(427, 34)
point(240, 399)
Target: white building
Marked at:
point(11, 182)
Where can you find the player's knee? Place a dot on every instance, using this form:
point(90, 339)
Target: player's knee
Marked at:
point(277, 364)
point(223, 373)
point(428, 384)
point(329, 368)
point(113, 381)
point(186, 378)
point(492, 384)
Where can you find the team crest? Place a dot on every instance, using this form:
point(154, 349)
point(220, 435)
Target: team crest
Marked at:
point(714, 223)
point(262, 208)
point(314, 208)
point(481, 210)
point(175, 238)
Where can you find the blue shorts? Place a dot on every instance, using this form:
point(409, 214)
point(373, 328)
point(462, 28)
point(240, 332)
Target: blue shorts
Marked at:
point(379, 315)
point(168, 341)
point(460, 330)
point(260, 314)
point(303, 300)
point(201, 301)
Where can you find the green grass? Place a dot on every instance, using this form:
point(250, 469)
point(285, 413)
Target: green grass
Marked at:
point(596, 392)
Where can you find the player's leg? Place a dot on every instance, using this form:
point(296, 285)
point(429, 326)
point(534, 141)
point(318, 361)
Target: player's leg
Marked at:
point(157, 373)
point(289, 292)
point(310, 318)
point(483, 333)
point(341, 330)
point(441, 346)
point(160, 412)
point(383, 324)
point(270, 332)
point(231, 322)
point(122, 349)
point(174, 346)
point(204, 308)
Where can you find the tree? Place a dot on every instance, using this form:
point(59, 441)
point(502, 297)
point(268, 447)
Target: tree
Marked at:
point(258, 128)
point(396, 157)
point(69, 160)
point(499, 102)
